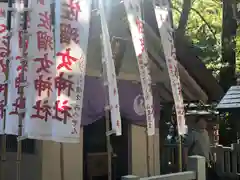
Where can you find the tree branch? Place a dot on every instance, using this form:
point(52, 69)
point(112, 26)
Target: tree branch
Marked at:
point(202, 18)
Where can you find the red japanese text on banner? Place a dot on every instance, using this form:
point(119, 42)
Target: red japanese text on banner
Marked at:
point(41, 74)
point(109, 66)
point(14, 102)
point(3, 54)
point(71, 51)
point(134, 16)
point(165, 30)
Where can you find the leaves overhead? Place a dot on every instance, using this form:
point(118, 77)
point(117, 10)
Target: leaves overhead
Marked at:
point(204, 28)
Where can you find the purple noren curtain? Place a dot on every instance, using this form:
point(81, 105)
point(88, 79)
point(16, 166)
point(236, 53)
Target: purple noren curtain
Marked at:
point(131, 101)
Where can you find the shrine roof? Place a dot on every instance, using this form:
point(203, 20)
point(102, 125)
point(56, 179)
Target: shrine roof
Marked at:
point(231, 99)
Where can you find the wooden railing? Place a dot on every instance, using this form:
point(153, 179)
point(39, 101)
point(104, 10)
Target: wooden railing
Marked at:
point(227, 159)
point(196, 171)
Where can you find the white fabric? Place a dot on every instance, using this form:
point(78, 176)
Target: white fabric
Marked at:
point(134, 16)
point(165, 30)
point(15, 68)
point(3, 51)
point(40, 99)
point(110, 74)
point(71, 100)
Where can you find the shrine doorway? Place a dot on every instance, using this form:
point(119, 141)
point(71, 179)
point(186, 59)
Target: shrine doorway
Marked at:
point(95, 151)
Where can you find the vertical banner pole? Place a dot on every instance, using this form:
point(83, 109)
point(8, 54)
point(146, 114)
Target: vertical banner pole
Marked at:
point(3, 156)
point(147, 136)
point(110, 87)
point(109, 146)
point(163, 17)
point(61, 162)
point(135, 16)
point(21, 88)
point(4, 136)
point(180, 153)
point(53, 11)
point(107, 117)
point(147, 154)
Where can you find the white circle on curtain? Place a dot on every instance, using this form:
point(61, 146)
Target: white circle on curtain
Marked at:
point(138, 105)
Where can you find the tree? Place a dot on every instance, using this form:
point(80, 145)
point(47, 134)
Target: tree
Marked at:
point(229, 29)
point(212, 29)
point(201, 22)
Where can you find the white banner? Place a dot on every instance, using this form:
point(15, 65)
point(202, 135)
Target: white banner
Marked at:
point(109, 66)
point(15, 68)
point(134, 16)
point(165, 29)
point(40, 93)
point(3, 54)
point(72, 31)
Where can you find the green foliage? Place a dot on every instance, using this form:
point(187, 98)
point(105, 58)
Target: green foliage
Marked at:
point(238, 51)
point(204, 29)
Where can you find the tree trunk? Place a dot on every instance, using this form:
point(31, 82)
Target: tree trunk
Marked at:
point(184, 18)
point(229, 24)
